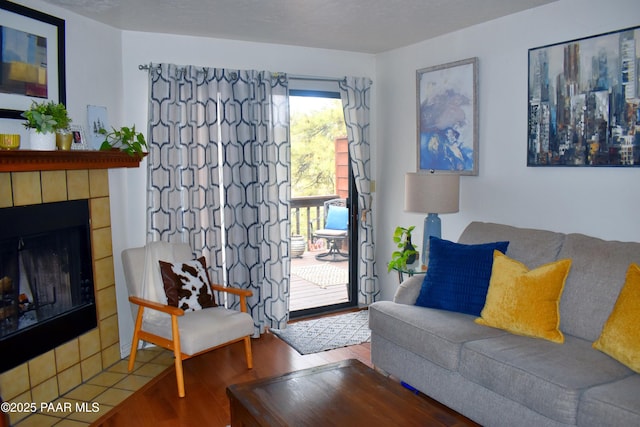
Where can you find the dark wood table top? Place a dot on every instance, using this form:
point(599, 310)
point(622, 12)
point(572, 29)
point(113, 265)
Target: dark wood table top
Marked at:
point(345, 393)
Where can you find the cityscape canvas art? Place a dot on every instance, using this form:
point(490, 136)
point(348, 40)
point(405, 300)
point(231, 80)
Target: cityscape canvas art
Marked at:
point(584, 99)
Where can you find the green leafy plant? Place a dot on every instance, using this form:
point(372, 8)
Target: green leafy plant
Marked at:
point(126, 139)
point(61, 116)
point(46, 117)
point(406, 253)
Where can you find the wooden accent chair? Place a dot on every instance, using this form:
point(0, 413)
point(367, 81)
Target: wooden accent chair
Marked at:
point(186, 333)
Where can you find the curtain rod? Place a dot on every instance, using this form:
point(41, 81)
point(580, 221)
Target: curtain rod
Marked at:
point(147, 67)
point(318, 79)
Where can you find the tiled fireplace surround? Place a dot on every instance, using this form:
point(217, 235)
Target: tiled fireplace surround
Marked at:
point(54, 373)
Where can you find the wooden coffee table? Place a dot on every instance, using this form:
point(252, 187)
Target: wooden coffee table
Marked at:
point(341, 394)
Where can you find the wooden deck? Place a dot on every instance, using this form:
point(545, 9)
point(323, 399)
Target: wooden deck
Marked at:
point(326, 290)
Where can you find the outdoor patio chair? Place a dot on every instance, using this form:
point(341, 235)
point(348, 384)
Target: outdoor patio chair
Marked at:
point(160, 274)
point(335, 231)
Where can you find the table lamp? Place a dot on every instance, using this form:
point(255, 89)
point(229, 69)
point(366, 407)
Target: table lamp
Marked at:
point(433, 194)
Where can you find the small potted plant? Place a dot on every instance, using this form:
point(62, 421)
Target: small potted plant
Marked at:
point(41, 125)
point(406, 253)
point(125, 139)
point(64, 138)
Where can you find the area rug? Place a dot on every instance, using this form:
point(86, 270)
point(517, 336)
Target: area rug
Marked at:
point(323, 275)
point(327, 333)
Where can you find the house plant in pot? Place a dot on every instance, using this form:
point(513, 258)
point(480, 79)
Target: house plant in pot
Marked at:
point(43, 120)
point(125, 139)
point(406, 253)
point(64, 138)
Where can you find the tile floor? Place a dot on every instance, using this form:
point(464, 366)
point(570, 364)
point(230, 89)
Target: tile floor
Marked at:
point(97, 396)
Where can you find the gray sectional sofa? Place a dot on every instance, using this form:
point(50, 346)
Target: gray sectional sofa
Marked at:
point(501, 379)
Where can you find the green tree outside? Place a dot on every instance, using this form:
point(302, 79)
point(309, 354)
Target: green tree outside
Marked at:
point(315, 125)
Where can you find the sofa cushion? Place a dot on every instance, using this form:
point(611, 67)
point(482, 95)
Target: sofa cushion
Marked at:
point(597, 274)
point(529, 246)
point(613, 404)
point(436, 335)
point(458, 275)
point(524, 301)
point(543, 376)
point(620, 337)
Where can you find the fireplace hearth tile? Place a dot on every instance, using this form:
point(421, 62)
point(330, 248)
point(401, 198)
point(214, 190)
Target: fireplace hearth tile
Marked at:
point(14, 382)
point(26, 188)
point(78, 184)
point(132, 382)
point(68, 354)
point(107, 379)
point(103, 272)
point(109, 331)
point(54, 186)
point(89, 343)
point(45, 391)
point(85, 392)
point(101, 241)
point(69, 379)
point(111, 355)
point(91, 366)
point(99, 183)
point(42, 367)
point(89, 417)
point(6, 198)
point(113, 396)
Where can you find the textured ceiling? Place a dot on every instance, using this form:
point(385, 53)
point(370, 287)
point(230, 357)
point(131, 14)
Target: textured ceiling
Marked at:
point(369, 26)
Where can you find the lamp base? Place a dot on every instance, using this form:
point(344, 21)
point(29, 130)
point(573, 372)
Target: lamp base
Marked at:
point(432, 227)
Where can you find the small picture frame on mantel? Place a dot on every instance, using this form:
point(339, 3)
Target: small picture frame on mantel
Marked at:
point(79, 138)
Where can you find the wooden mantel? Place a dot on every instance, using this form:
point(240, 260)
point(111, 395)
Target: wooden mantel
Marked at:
point(30, 160)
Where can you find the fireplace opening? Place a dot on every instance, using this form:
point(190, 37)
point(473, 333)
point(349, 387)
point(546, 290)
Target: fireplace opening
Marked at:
point(46, 279)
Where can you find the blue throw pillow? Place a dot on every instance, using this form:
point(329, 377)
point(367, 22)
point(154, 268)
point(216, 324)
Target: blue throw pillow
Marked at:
point(458, 275)
point(337, 218)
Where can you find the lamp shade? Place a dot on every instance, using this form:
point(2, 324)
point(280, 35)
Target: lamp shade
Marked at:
point(431, 193)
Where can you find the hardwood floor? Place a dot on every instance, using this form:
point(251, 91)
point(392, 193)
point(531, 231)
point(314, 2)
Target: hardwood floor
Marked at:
point(206, 378)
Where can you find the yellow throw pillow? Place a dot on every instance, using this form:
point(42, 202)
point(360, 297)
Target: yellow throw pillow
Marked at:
point(620, 337)
point(525, 302)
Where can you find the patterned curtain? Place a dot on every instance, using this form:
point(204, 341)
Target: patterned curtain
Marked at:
point(218, 177)
point(354, 92)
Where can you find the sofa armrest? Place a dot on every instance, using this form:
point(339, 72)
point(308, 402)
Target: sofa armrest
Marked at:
point(408, 291)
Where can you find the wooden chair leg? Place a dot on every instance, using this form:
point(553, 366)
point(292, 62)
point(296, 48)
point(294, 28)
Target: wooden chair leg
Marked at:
point(178, 355)
point(136, 339)
point(248, 353)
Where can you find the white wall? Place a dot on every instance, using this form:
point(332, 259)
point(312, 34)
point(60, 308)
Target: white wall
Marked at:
point(601, 202)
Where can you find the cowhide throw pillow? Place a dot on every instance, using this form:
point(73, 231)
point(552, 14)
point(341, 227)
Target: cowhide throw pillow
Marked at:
point(186, 284)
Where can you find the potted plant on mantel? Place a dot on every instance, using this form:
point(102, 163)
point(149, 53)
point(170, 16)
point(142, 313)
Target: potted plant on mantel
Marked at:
point(406, 253)
point(44, 120)
point(125, 139)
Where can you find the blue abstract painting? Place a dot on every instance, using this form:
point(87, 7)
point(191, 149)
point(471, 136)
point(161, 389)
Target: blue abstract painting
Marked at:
point(447, 117)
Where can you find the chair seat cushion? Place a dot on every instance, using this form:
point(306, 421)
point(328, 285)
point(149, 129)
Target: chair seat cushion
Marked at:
point(203, 329)
point(325, 232)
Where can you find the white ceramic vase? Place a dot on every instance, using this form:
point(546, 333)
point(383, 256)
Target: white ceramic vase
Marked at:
point(42, 141)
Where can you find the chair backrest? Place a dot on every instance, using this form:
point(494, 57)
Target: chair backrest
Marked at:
point(336, 214)
point(133, 263)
